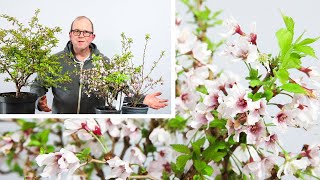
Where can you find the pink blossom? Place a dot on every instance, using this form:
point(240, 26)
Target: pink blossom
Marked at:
point(292, 165)
point(131, 130)
point(212, 100)
point(232, 26)
point(57, 163)
point(242, 154)
point(185, 40)
point(305, 109)
point(187, 100)
point(137, 157)
point(283, 119)
point(259, 110)
point(260, 169)
point(271, 143)
point(202, 116)
point(156, 167)
point(255, 133)
point(242, 50)
point(313, 73)
point(197, 76)
point(113, 126)
point(83, 128)
point(312, 153)
point(201, 53)
point(8, 141)
point(235, 102)
point(159, 136)
point(119, 169)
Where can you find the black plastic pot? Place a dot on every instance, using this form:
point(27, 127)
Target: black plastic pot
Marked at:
point(25, 104)
point(107, 110)
point(141, 109)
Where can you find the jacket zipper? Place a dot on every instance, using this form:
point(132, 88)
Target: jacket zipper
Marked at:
point(80, 86)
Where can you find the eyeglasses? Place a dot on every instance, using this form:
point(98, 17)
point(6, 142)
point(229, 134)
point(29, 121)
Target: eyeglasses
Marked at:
point(77, 32)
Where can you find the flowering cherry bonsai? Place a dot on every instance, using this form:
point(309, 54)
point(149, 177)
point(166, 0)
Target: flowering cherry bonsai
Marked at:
point(140, 81)
point(108, 77)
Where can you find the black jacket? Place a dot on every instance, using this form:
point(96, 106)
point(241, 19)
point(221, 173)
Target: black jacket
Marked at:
point(65, 97)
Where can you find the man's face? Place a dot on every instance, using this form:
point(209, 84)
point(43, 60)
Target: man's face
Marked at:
point(81, 41)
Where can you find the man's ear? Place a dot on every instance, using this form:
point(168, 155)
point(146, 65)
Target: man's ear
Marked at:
point(93, 36)
point(70, 35)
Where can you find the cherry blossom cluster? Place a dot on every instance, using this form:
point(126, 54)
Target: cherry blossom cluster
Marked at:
point(251, 117)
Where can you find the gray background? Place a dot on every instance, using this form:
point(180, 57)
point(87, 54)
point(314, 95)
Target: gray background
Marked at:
point(110, 18)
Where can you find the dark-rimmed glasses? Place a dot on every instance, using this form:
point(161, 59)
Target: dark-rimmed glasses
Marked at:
point(77, 32)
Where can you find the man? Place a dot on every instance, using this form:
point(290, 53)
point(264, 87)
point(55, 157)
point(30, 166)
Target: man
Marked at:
point(77, 55)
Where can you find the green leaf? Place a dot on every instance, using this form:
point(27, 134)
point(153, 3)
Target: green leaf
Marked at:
point(211, 139)
point(308, 41)
point(211, 152)
point(293, 87)
point(44, 136)
point(204, 15)
point(150, 148)
point(282, 75)
point(216, 14)
point(208, 170)
point(292, 62)
point(284, 40)
point(218, 156)
point(199, 165)
point(28, 125)
point(253, 73)
point(254, 83)
point(182, 160)
point(84, 154)
point(306, 50)
point(18, 169)
point(268, 94)
point(200, 141)
point(196, 146)
point(257, 96)
point(198, 177)
point(47, 149)
point(219, 123)
point(35, 143)
point(202, 89)
point(289, 23)
point(181, 148)
point(144, 132)
point(177, 123)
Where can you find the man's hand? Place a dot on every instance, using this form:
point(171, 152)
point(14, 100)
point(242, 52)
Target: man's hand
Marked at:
point(43, 104)
point(152, 101)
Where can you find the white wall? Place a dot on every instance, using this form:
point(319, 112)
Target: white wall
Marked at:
point(110, 18)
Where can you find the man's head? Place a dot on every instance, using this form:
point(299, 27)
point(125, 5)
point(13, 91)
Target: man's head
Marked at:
point(81, 33)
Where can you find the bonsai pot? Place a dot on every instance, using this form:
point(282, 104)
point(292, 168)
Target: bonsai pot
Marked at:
point(10, 104)
point(107, 110)
point(140, 109)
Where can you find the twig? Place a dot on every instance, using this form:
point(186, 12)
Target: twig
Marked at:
point(126, 145)
point(142, 177)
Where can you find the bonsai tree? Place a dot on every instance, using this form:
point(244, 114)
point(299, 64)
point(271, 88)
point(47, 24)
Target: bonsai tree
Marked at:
point(140, 81)
point(108, 77)
point(27, 50)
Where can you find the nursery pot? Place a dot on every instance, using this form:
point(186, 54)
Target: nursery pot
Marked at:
point(10, 104)
point(140, 109)
point(107, 110)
